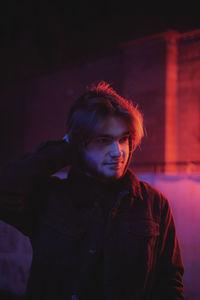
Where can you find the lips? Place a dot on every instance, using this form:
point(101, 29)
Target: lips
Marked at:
point(114, 163)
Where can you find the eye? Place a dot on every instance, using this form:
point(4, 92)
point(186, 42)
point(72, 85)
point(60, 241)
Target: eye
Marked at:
point(102, 140)
point(124, 139)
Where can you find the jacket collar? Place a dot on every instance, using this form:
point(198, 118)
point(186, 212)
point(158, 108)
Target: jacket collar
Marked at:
point(132, 185)
point(128, 184)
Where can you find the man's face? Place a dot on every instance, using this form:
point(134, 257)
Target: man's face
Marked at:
point(107, 154)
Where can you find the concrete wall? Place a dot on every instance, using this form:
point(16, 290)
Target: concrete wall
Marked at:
point(37, 109)
point(188, 122)
point(50, 97)
point(13, 102)
point(144, 70)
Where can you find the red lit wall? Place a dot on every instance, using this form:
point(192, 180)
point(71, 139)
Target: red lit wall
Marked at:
point(144, 81)
point(188, 122)
point(160, 74)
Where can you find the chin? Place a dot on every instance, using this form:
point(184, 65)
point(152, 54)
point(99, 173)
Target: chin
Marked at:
point(111, 177)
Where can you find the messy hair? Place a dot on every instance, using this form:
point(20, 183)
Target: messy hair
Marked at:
point(98, 102)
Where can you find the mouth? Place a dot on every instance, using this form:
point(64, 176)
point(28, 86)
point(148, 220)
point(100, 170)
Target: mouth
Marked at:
point(114, 162)
point(114, 165)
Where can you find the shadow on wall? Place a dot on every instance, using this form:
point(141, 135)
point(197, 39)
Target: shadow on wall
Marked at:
point(183, 193)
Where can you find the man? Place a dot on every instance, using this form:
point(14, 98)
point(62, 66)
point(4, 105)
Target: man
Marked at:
point(101, 233)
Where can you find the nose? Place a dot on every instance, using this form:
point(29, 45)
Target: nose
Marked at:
point(115, 150)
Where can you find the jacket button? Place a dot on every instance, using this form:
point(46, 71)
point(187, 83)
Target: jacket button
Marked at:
point(75, 297)
point(92, 251)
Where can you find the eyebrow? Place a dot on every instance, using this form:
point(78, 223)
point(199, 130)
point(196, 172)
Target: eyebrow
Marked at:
point(111, 136)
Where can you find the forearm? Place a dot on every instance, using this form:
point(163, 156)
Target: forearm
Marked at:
point(23, 181)
point(21, 175)
point(168, 281)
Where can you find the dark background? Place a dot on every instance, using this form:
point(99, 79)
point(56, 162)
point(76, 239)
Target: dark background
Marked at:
point(41, 36)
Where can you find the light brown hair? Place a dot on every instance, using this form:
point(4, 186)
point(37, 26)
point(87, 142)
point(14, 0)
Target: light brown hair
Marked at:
point(93, 106)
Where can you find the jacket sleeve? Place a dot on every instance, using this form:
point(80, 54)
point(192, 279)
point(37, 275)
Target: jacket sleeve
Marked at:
point(20, 179)
point(169, 269)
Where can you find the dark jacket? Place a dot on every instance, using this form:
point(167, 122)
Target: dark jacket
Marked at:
point(91, 240)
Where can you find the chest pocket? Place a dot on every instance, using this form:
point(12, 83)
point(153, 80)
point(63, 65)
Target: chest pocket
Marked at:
point(138, 240)
point(59, 241)
point(141, 228)
point(63, 229)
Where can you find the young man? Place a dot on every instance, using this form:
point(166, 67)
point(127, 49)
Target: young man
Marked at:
point(100, 234)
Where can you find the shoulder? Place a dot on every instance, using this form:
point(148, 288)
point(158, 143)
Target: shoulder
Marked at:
point(150, 202)
point(144, 189)
point(49, 186)
point(148, 194)
point(155, 199)
point(150, 190)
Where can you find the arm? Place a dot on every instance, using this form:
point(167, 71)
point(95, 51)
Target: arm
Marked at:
point(169, 269)
point(19, 179)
